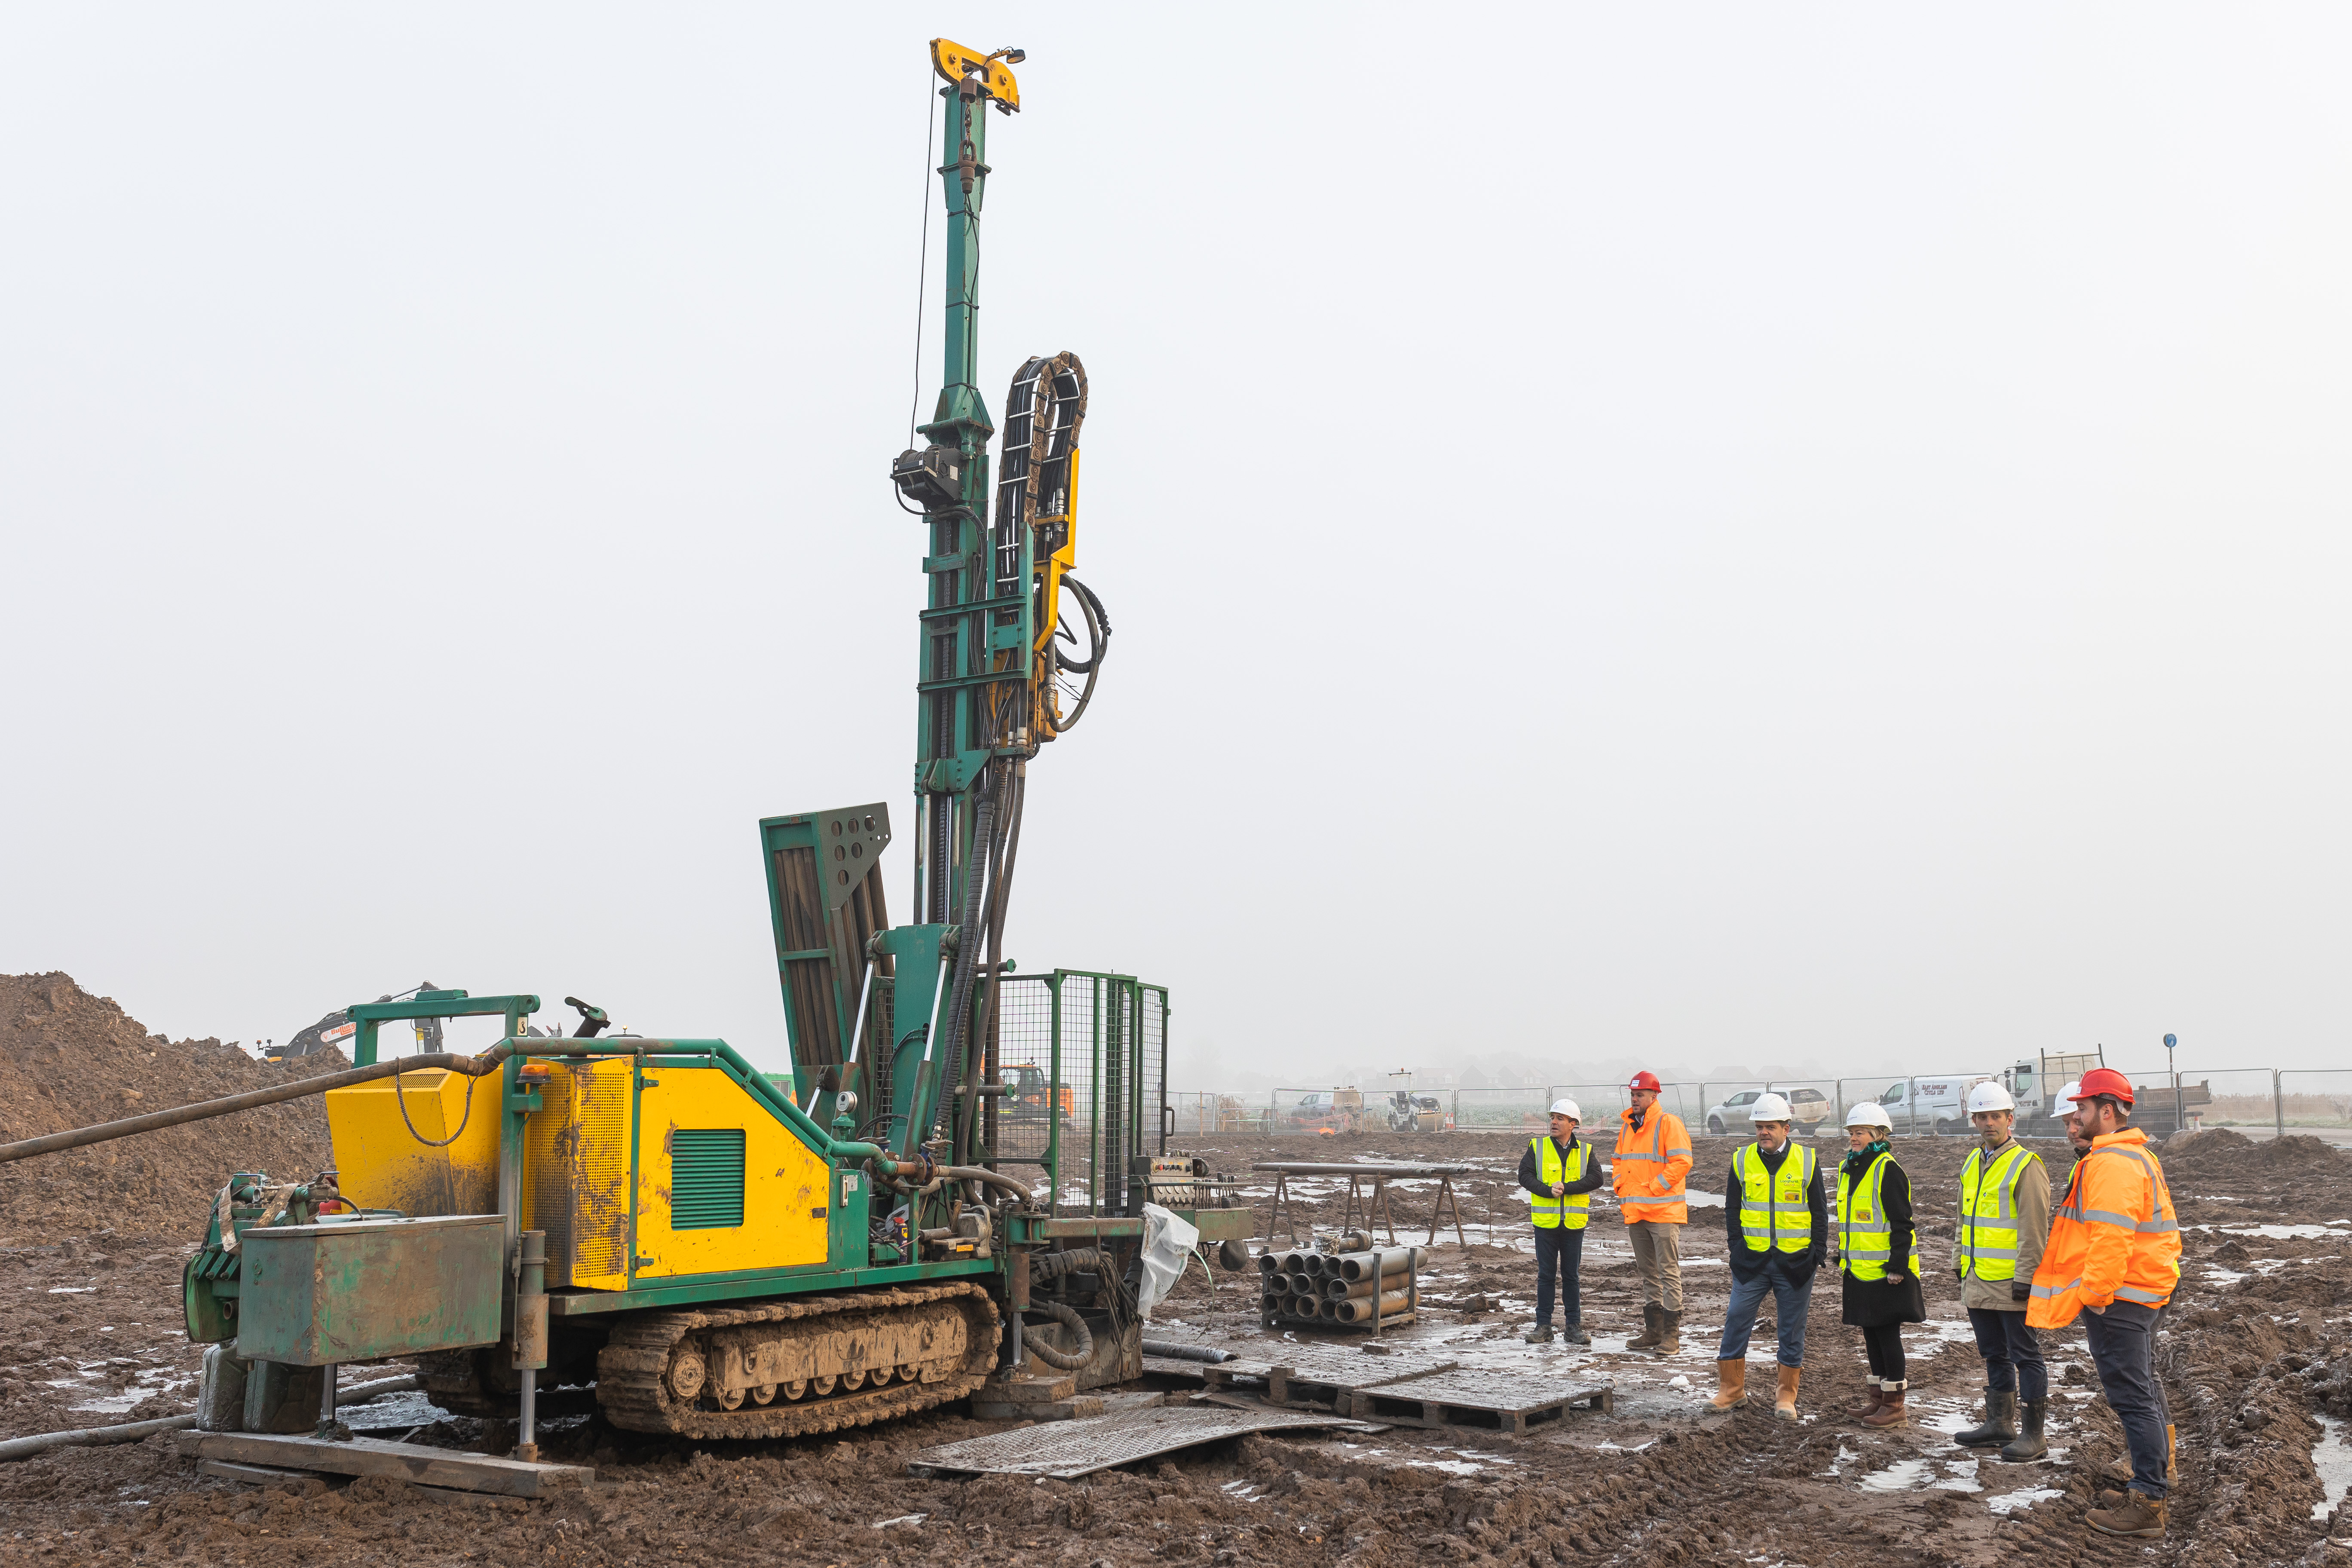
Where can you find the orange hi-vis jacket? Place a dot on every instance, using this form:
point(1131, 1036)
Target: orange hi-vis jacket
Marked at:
point(1648, 1167)
point(2114, 1237)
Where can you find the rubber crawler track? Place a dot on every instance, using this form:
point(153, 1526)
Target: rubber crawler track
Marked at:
point(631, 1369)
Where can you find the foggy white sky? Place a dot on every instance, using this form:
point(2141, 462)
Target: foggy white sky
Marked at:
point(1716, 536)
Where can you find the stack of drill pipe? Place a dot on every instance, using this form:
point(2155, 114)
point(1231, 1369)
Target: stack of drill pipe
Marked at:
point(1307, 1285)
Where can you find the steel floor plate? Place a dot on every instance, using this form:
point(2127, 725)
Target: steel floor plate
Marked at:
point(1069, 1449)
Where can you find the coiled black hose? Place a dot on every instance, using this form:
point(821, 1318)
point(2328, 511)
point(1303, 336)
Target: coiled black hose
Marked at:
point(1046, 1267)
point(1066, 1315)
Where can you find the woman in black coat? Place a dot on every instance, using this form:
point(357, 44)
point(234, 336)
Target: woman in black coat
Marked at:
point(1870, 1182)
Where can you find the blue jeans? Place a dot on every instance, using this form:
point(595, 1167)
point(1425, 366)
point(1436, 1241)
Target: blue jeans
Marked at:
point(1790, 1304)
point(2123, 1347)
point(2012, 1354)
point(1559, 1250)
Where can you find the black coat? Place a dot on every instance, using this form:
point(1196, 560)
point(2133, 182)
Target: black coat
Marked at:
point(1873, 1303)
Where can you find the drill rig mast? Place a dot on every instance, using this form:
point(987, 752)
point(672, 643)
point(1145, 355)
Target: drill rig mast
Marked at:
point(993, 655)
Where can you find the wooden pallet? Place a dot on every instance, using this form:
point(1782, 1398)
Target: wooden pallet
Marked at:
point(1480, 1401)
point(366, 1457)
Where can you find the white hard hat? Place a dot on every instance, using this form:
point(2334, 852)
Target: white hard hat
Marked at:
point(1989, 1096)
point(1565, 1108)
point(2067, 1097)
point(1869, 1114)
point(1770, 1108)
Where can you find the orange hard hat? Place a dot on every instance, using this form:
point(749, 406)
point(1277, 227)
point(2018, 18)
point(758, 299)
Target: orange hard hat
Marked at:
point(2100, 1081)
point(1648, 1081)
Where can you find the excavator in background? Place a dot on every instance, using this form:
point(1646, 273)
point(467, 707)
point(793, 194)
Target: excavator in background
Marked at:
point(334, 1032)
point(648, 1224)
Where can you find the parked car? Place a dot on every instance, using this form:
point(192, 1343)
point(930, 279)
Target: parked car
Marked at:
point(1811, 1105)
point(1337, 1111)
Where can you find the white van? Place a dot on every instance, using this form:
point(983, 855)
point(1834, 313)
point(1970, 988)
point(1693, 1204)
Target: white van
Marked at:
point(1930, 1104)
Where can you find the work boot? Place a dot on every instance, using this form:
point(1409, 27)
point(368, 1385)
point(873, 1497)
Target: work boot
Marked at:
point(1869, 1407)
point(2171, 1458)
point(1574, 1334)
point(1670, 1333)
point(1890, 1413)
point(1784, 1401)
point(2000, 1423)
point(2029, 1444)
point(1539, 1335)
point(2140, 1518)
point(1730, 1382)
point(1651, 1331)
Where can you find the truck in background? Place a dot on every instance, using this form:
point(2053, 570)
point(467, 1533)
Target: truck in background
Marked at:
point(1940, 1104)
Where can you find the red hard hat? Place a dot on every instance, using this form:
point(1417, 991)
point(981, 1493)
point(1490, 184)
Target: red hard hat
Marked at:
point(2106, 1081)
point(1648, 1081)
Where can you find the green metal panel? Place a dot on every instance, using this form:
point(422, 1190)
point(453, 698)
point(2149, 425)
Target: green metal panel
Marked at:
point(706, 1178)
point(320, 1295)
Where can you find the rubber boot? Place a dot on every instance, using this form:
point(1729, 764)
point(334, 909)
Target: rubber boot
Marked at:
point(1648, 1338)
point(2139, 1518)
point(1869, 1407)
point(2000, 1423)
point(1784, 1400)
point(1730, 1383)
point(1539, 1335)
point(1670, 1333)
point(1891, 1413)
point(2029, 1444)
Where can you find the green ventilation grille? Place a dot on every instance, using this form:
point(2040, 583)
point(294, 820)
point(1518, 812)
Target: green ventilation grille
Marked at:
point(706, 1179)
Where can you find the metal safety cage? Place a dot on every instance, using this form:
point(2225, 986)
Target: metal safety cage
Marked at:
point(1081, 1067)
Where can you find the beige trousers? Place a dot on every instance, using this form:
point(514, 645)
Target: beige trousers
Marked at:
point(1658, 1259)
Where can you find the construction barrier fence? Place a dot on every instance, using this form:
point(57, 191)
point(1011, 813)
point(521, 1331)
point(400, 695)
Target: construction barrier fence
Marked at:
point(1917, 1103)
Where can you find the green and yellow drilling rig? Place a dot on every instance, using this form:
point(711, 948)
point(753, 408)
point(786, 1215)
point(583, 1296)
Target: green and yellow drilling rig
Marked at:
point(653, 1225)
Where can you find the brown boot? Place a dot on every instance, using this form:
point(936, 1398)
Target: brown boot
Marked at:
point(1784, 1401)
point(2141, 1518)
point(1648, 1338)
point(1868, 1407)
point(1889, 1414)
point(1730, 1383)
point(1670, 1333)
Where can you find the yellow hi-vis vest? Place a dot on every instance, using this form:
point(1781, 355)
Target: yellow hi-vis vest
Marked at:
point(1548, 1211)
point(1773, 1207)
point(1865, 1237)
point(1987, 1242)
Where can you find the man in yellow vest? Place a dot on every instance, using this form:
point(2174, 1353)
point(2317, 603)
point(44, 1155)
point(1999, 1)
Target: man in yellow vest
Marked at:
point(2115, 1253)
point(1777, 1217)
point(1560, 1174)
point(2004, 1221)
point(1652, 1158)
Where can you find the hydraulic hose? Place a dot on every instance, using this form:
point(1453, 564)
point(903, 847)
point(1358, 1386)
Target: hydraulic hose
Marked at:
point(992, 1178)
point(1046, 1267)
point(1067, 1316)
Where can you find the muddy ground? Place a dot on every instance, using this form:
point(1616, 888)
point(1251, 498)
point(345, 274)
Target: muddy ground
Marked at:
point(89, 1332)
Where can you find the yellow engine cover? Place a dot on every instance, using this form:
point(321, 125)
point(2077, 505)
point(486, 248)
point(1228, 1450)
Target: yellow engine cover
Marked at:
point(381, 1164)
point(722, 1185)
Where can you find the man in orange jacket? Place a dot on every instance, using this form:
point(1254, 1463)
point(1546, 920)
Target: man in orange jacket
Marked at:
point(1652, 1156)
point(2115, 1252)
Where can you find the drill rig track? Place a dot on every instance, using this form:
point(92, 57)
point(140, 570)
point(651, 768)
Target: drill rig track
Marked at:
point(818, 1363)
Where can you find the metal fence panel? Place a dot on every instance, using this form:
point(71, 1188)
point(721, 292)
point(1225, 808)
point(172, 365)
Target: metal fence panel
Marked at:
point(2315, 1099)
point(1518, 1111)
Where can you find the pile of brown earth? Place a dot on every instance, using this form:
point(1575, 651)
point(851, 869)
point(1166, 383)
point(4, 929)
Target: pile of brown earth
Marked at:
point(2219, 1151)
point(71, 1059)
